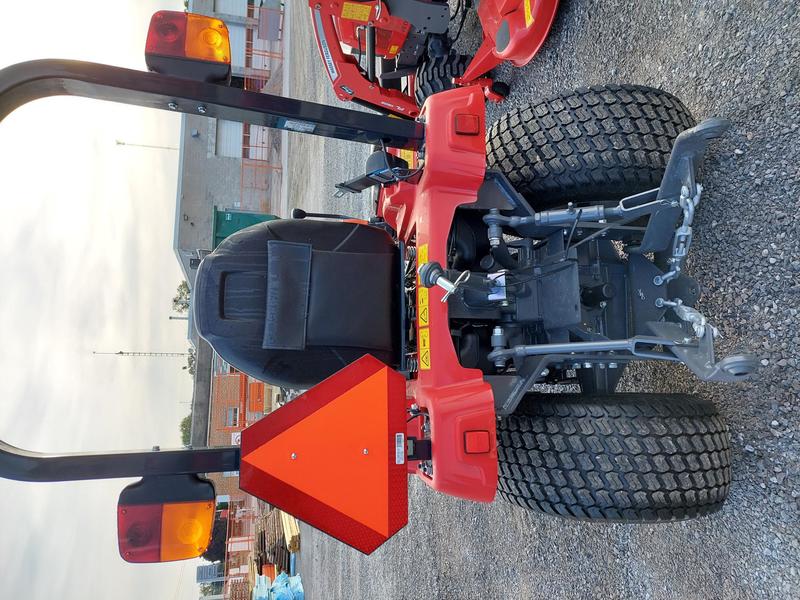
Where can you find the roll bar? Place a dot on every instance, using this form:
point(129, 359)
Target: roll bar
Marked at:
point(24, 82)
point(28, 81)
point(24, 465)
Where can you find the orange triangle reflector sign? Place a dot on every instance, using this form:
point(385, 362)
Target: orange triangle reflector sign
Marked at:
point(335, 457)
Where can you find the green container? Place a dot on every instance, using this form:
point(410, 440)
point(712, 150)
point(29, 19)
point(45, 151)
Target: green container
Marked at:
point(228, 222)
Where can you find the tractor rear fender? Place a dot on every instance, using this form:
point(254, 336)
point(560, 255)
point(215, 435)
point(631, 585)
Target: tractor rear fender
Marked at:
point(458, 402)
point(350, 21)
point(513, 30)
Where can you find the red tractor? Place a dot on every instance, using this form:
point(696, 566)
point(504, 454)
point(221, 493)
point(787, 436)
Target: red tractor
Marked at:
point(371, 47)
point(472, 333)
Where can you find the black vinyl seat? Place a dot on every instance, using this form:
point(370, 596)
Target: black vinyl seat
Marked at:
point(291, 302)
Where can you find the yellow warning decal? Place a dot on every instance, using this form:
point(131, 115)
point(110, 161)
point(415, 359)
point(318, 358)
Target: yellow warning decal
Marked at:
point(424, 339)
point(423, 314)
point(408, 156)
point(393, 49)
point(356, 11)
point(422, 255)
point(422, 306)
point(528, 14)
point(424, 359)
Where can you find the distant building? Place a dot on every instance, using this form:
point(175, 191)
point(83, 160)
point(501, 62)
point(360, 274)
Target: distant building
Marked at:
point(229, 174)
point(236, 402)
point(228, 168)
point(210, 573)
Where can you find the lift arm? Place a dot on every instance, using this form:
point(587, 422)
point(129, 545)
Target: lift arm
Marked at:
point(350, 83)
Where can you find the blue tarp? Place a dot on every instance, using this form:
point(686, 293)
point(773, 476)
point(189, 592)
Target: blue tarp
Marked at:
point(261, 591)
point(283, 588)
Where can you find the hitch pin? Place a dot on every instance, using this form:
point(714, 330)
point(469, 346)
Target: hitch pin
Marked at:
point(431, 274)
point(690, 315)
point(448, 287)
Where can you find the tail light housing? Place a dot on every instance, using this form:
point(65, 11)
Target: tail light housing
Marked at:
point(165, 518)
point(189, 46)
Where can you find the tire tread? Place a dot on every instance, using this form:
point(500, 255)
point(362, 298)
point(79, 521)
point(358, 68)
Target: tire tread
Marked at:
point(619, 457)
point(435, 75)
point(593, 143)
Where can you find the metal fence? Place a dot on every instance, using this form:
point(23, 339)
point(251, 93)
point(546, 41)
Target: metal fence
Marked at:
point(239, 543)
point(263, 72)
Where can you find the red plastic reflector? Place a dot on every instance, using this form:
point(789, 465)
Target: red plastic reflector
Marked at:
point(336, 456)
point(139, 528)
point(167, 34)
point(467, 124)
point(477, 442)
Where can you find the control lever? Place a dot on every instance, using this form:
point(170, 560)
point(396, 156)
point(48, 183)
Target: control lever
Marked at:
point(382, 169)
point(299, 213)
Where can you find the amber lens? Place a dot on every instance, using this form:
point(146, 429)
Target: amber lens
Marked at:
point(186, 529)
point(207, 39)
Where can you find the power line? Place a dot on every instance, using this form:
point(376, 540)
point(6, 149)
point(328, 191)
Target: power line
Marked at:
point(180, 581)
point(145, 354)
point(153, 146)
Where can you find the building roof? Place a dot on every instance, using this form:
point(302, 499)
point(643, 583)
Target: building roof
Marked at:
point(178, 215)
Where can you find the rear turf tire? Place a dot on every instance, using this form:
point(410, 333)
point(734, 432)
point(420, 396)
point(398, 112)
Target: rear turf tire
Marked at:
point(436, 75)
point(593, 144)
point(618, 457)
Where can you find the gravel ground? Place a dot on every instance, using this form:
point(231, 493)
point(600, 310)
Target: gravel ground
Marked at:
point(316, 164)
point(735, 59)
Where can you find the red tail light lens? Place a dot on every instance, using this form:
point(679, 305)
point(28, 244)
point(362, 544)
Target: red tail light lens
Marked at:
point(167, 34)
point(139, 530)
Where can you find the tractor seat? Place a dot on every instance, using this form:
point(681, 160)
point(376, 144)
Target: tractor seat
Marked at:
point(291, 302)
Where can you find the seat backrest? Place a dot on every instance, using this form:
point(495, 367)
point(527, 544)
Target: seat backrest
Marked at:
point(291, 302)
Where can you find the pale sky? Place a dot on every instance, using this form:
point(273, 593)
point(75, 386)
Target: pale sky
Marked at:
point(87, 264)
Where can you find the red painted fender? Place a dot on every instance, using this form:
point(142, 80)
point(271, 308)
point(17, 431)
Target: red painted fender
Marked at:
point(513, 30)
point(459, 403)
